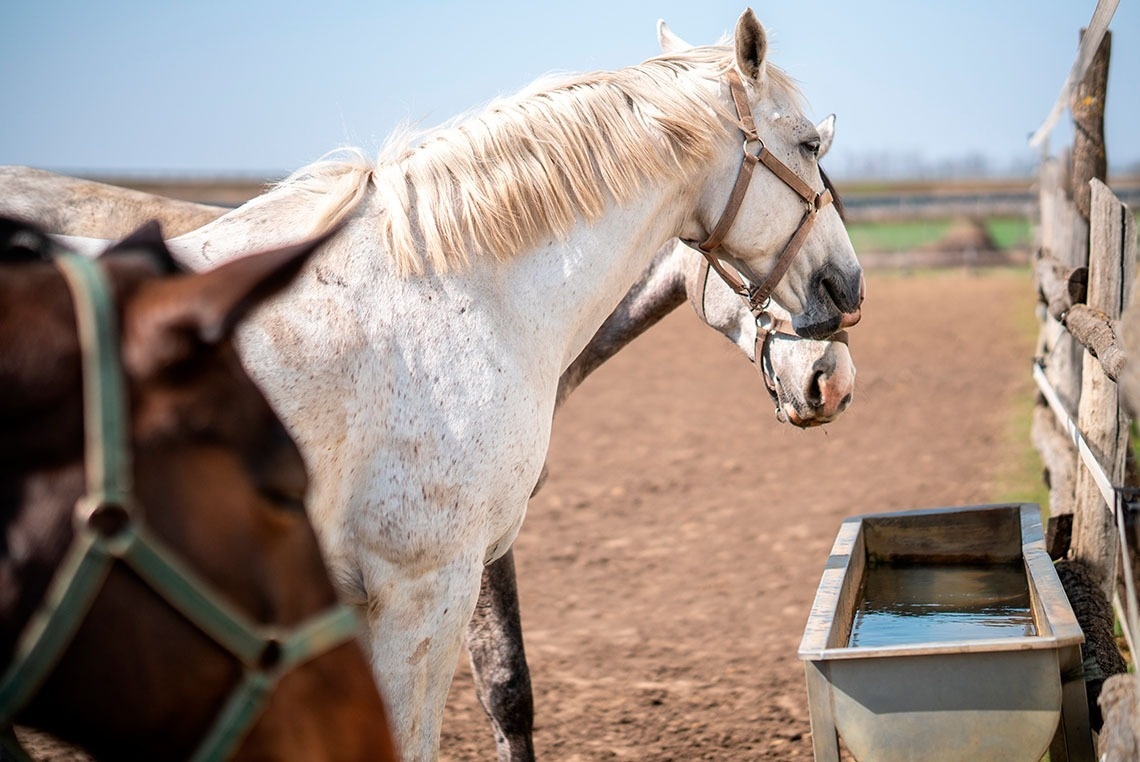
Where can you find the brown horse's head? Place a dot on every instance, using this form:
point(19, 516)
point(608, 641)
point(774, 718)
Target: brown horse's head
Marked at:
point(216, 478)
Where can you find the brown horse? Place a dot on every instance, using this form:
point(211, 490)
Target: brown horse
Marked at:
point(215, 492)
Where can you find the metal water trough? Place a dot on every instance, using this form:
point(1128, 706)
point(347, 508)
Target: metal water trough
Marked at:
point(979, 698)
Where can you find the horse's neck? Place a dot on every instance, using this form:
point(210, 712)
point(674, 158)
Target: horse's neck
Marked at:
point(568, 288)
point(659, 291)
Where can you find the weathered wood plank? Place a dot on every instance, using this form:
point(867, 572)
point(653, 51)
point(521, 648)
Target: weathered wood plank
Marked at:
point(1061, 353)
point(1101, 420)
point(1130, 333)
point(1059, 535)
point(1120, 705)
point(1090, 159)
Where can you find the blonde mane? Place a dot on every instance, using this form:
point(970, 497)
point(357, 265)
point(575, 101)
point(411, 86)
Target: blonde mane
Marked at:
point(498, 182)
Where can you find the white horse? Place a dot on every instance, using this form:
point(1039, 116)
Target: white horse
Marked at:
point(811, 382)
point(417, 359)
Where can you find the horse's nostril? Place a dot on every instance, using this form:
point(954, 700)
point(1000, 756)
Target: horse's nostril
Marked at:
point(845, 294)
point(833, 291)
point(814, 394)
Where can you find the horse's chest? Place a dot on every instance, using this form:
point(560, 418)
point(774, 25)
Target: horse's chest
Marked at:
point(435, 435)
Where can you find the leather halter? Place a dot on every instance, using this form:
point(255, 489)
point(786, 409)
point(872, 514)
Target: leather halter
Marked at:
point(755, 152)
point(109, 529)
point(767, 326)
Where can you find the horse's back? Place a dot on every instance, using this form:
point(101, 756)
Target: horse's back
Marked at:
point(79, 207)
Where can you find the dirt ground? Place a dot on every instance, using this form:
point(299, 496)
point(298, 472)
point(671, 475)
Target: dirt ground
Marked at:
point(668, 567)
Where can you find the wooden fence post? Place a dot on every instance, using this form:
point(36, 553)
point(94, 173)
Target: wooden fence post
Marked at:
point(1061, 352)
point(1130, 336)
point(1104, 424)
point(1094, 535)
point(1064, 200)
point(1090, 159)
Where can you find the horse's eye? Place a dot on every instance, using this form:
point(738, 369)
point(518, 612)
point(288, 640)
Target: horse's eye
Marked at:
point(286, 502)
point(811, 147)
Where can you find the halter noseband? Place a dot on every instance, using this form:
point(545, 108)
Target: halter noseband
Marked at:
point(755, 152)
point(108, 529)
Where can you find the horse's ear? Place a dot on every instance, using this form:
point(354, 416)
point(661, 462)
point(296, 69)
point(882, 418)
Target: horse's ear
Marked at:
point(751, 46)
point(228, 292)
point(826, 130)
point(149, 234)
point(170, 318)
point(147, 241)
point(670, 43)
point(22, 241)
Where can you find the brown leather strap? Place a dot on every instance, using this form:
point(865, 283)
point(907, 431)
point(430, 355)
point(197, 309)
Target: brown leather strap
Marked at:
point(790, 178)
point(767, 326)
point(747, 164)
point(765, 330)
point(758, 295)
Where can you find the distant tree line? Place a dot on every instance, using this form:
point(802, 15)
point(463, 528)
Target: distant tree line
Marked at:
point(898, 166)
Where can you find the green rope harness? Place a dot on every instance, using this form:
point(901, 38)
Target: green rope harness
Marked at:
point(107, 530)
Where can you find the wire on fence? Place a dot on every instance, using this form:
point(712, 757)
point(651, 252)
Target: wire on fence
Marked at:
point(1113, 498)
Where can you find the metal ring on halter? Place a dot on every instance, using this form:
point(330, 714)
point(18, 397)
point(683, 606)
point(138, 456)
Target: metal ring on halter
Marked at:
point(754, 157)
point(763, 362)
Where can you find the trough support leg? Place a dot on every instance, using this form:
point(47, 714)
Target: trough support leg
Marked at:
point(1073, 740)
point(824, 736)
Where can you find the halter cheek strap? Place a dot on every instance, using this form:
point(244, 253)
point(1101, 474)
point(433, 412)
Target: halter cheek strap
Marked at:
point(755, 152)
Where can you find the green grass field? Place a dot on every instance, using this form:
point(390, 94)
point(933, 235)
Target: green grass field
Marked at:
point(1006, 232)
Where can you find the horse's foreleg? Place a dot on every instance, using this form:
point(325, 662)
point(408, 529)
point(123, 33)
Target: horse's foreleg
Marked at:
point(415, 627)
point(498, 661)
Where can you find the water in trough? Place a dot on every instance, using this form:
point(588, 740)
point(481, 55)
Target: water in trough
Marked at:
point(931, 603)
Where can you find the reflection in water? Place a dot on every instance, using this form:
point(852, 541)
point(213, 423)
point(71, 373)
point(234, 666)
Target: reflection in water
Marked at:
point(939, 603)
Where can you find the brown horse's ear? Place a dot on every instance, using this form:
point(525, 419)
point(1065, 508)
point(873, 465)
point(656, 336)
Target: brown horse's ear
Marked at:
point(22, 241)
point(147, 241)
point(170, 318)
point(231, 290)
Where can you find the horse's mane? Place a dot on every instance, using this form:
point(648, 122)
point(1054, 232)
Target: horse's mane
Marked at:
point(499, 181)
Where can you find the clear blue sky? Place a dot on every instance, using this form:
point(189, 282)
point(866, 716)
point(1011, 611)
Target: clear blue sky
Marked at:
point(261, 87)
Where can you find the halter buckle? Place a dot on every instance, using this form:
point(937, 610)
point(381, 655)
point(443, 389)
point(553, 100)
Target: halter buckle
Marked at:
point(758, 308)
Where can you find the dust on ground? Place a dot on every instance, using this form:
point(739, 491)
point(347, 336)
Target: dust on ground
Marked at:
point(668, 567)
